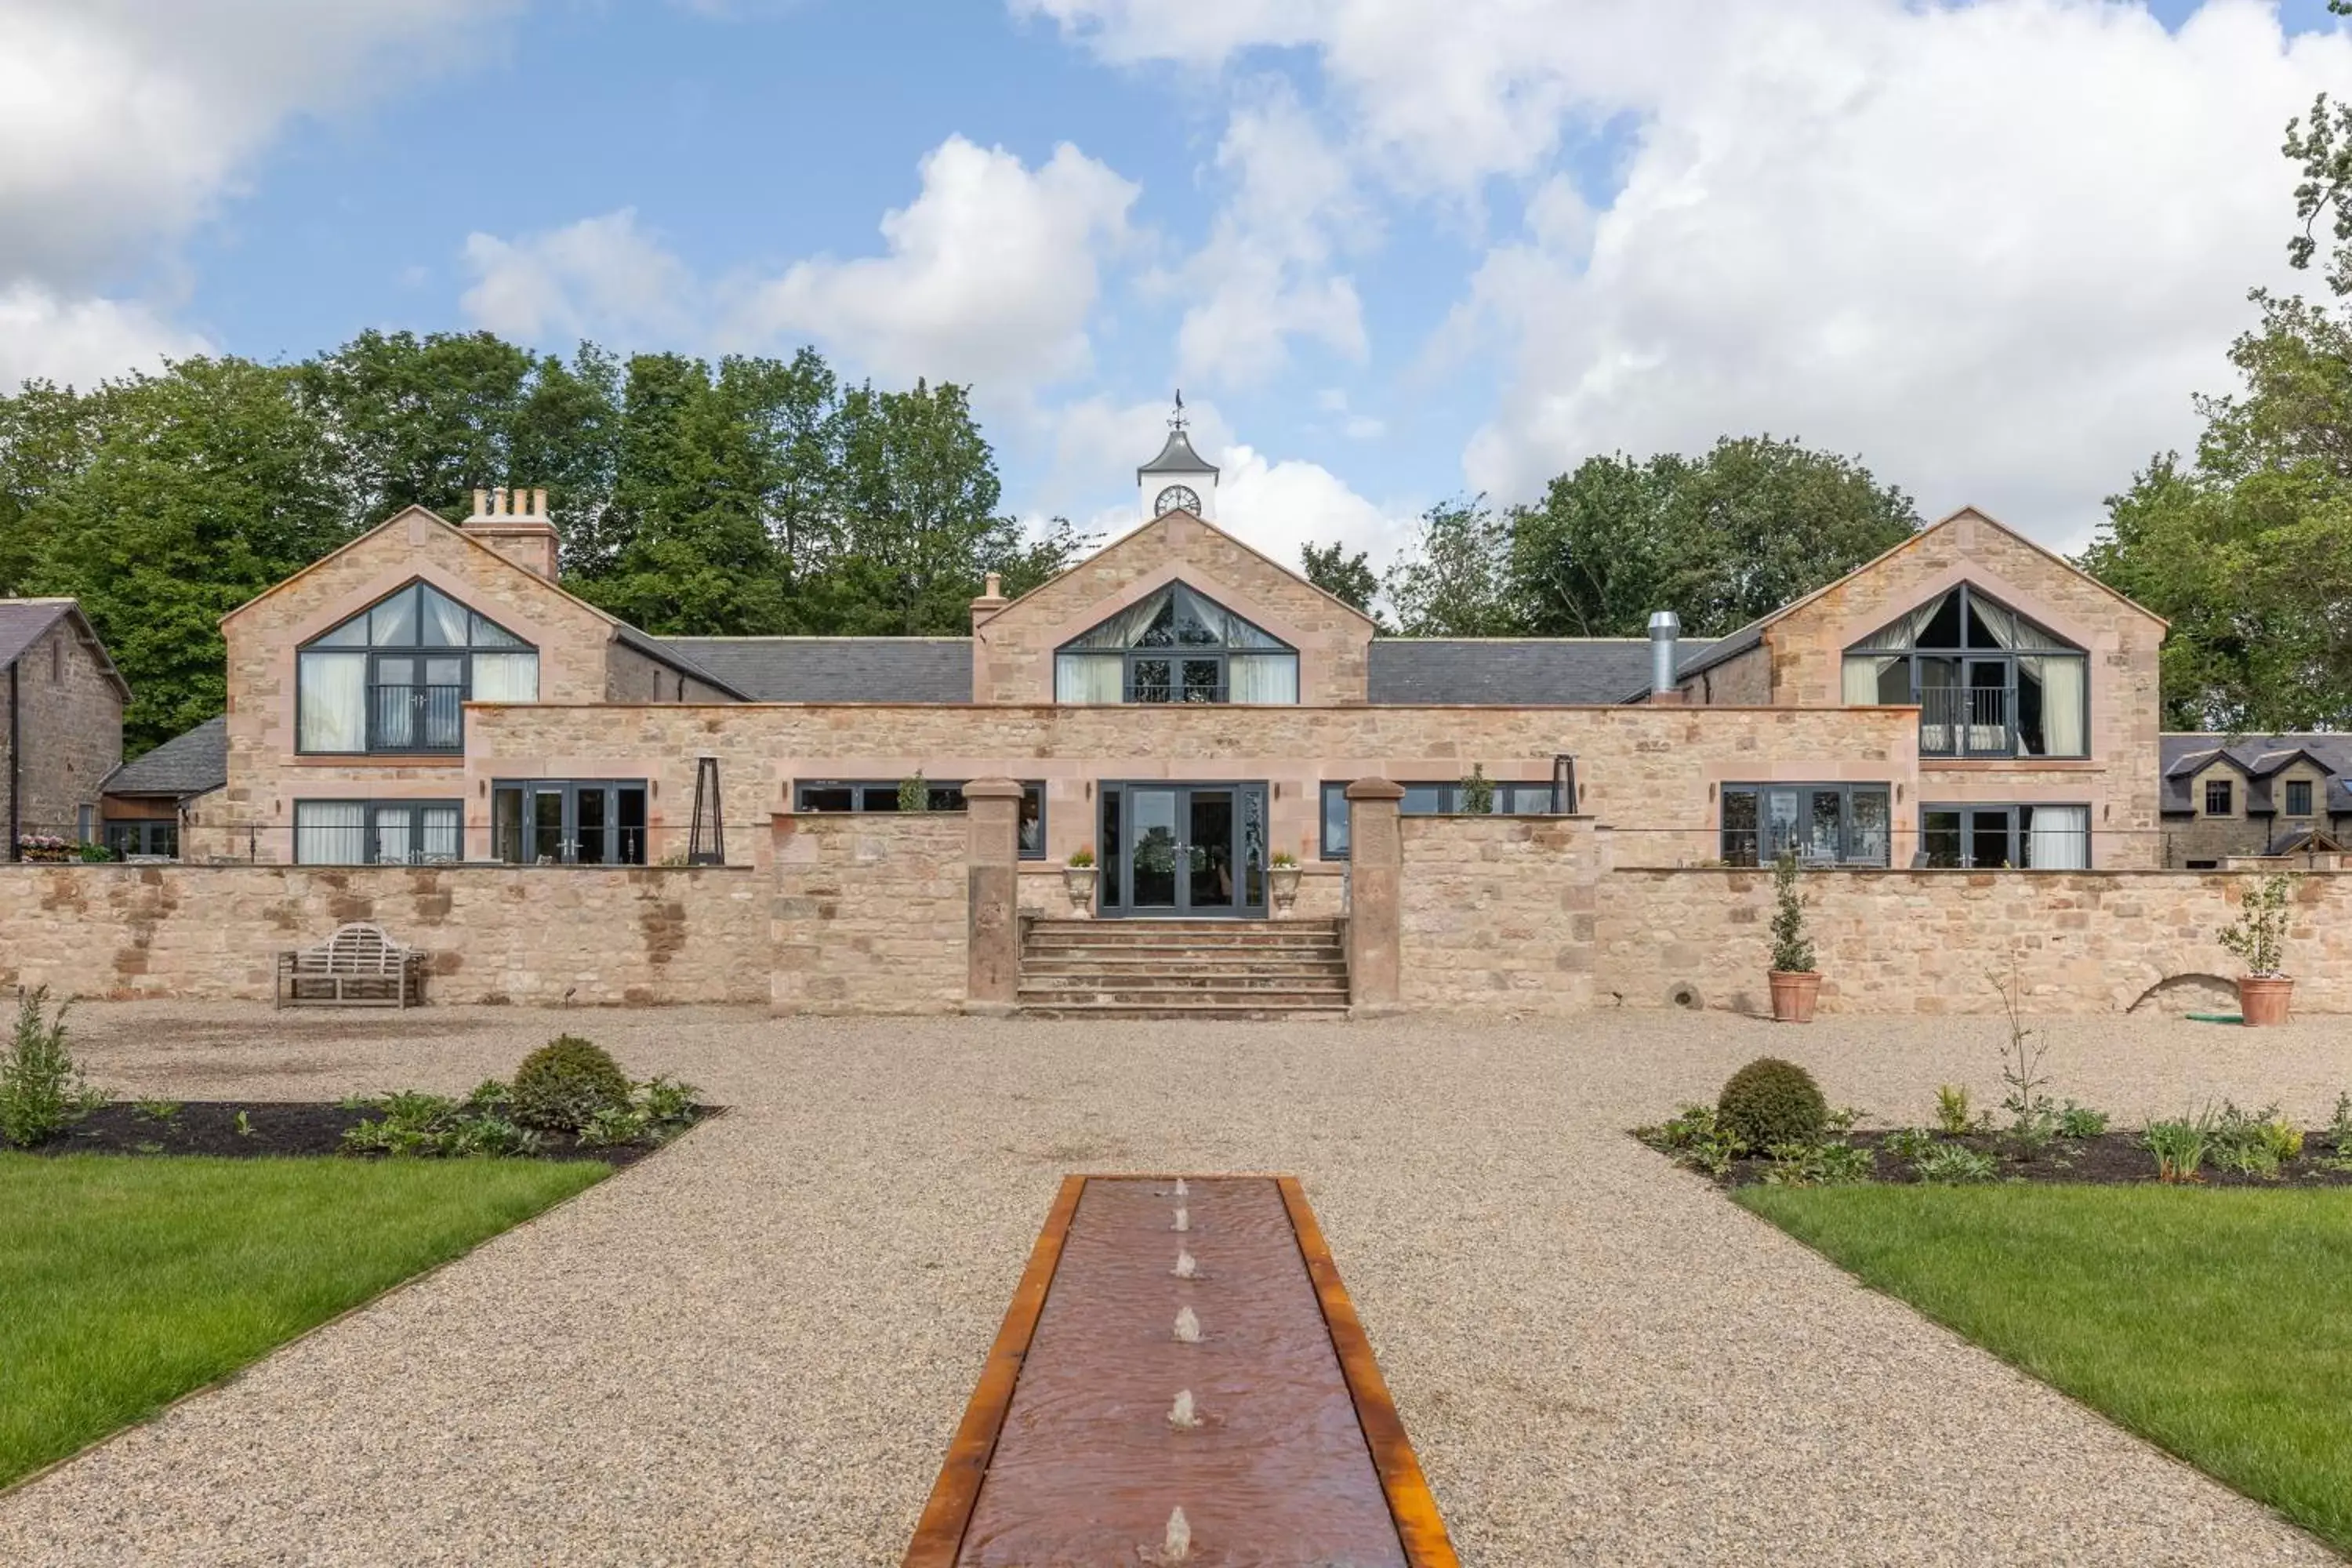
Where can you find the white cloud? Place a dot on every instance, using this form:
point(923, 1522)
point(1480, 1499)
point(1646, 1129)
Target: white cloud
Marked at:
point(601, 272)
point(1279, 506)
point(1992, 248)
point(991, 274)
point(124, 122)
point(1264, 276)
point(81, 340)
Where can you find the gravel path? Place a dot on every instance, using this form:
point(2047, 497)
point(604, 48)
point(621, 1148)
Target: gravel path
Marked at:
point(753, 1348)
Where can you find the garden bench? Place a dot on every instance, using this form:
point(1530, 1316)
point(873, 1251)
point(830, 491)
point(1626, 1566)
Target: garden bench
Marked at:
point(359, 967)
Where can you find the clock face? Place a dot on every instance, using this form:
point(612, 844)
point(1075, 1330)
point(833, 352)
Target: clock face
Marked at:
point(1176, 497)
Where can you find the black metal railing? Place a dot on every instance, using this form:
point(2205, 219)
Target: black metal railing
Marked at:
point(416, 719)
point(1965, 721)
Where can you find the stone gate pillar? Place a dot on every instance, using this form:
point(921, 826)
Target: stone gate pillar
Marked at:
point(1375, 885)
point(993, 868)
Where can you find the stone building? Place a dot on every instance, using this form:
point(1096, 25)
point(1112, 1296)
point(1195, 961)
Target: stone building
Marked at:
point(2230, 797)
point(1187, 711)
point(62, 734)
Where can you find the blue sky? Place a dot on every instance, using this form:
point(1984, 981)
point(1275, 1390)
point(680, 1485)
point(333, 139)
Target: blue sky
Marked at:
point(1395, 250)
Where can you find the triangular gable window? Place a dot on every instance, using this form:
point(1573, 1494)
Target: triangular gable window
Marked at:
point(1176, 646)
point(396, 677)
point(1988, 682)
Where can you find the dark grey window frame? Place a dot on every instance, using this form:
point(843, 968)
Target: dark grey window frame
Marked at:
point(116, 831)
point(2228, 789)
point(371, 847)
point(1962, 725)
point(1752, 849)
point(1513, 797)
point(2305, 808)
point(882, 795)
point(2018, 832)
point(1173, 690)
point(626, 844)
point(372, 746)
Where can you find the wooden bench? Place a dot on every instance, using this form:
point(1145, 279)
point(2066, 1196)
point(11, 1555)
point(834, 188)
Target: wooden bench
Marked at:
point(359, 967)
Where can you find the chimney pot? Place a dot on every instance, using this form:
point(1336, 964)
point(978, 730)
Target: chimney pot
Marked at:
point(539, 503)
point(1665, 633)
point(995, 585)
point(482, 499)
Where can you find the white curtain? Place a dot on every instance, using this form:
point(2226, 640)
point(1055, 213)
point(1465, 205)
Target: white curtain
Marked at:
point(330, 833)
point(2058, 838)
point(1865, 676)
point(1903, 631)
point(441, 829)
point(334, 701)
point(505, 678)
point(1266, 679)
point(1088, 678)
point(1126, 629)
point(444, 620)
point(391, 844)
point(2064, 724)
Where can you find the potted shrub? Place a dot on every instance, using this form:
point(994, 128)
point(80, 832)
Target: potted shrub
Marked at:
point(2257, 939)
point(1796, 985)
point(914, 792)
point(1478, 792)
point(1079, 876)
point(1282, 881)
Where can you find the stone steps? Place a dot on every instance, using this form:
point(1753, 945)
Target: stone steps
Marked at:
point(1183, 969)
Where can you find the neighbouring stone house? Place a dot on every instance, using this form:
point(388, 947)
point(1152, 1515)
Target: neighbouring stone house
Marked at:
point(62, 734)
point(1188, 710)
point(150, 800)
point(2234, 797)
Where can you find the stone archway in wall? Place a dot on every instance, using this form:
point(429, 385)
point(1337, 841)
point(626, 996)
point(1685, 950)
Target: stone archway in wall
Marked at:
point(2190, 992)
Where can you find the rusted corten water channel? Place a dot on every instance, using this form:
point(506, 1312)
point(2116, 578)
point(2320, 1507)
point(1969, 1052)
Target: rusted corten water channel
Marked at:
point(1073, 1452)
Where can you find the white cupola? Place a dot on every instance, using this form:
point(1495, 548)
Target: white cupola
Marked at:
point(1178, 479)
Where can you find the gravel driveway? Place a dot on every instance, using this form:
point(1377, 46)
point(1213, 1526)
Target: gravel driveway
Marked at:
point(753, 1348)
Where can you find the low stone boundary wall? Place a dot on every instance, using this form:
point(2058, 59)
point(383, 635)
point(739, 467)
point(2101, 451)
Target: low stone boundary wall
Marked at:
point(1497, 912)
point(586, 935)
point(871, 913)
point(1932, 941)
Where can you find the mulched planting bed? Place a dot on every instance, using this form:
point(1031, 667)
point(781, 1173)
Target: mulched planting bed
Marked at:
point(2113, 1159)
point(277, 1127)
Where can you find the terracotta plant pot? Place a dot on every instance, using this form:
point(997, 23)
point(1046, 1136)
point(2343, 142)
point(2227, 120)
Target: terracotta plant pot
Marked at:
point(1793, 996)
point(2263, 999)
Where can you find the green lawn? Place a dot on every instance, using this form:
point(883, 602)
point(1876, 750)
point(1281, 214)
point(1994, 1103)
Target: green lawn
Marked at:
point(2216, 1324)
point(125, 1282)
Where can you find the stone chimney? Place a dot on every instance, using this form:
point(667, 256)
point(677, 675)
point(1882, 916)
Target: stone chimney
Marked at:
point(991, 599)
point(514, 523)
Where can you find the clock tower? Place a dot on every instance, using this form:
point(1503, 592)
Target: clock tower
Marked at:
point(1178, 479)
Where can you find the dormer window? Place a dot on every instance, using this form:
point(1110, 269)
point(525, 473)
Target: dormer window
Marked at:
point(396, 677)
point(1176, 646)
point(1988, 682)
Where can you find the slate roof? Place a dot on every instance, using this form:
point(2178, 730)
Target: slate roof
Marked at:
point(22, 621)
point(835, 669)
point(2259, 758)
point(666, 651)
point(1511, 672)
point(184, 765)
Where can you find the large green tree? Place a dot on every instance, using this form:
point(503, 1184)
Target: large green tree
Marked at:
point(205, 484)
point(1720, 539)
point(1348, 578)
point(1453, 579)
point(2246, 547)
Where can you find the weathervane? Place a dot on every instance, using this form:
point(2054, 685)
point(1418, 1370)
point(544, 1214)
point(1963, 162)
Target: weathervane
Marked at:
point(1177, 421)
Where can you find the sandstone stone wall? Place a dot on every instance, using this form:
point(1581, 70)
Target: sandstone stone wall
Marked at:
point(1496, 913)
point(1928, 941)
point(871, 913)
point(632, 677)
point(1652, 772)
point(588, 936)
point(1013, 650)
point(69, 717)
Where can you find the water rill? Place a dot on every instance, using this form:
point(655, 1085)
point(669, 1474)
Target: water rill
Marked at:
point(1281, 1446)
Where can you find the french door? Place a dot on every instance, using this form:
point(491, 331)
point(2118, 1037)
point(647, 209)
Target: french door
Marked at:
point(569, 822)
point(1184, 850)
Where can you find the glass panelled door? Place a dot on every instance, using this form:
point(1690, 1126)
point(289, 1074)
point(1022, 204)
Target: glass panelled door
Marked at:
point(1175, 850)
point(568, 822)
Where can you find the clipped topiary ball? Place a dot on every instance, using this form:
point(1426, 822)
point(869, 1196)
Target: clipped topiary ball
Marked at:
point(1771, 1102)
point(565, 1082)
